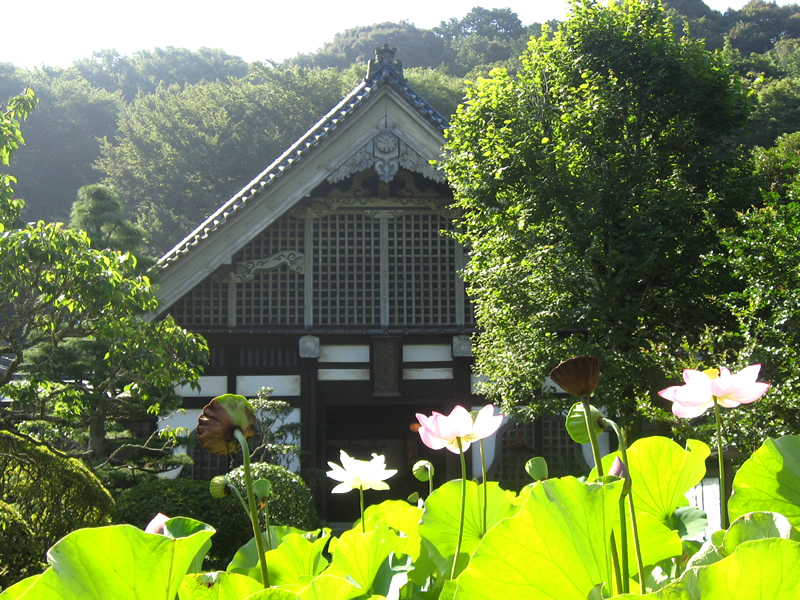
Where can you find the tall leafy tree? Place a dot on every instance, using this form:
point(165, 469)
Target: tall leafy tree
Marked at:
point(592, 184)
point(60, 293)
point(61, 138)
point(182, 152)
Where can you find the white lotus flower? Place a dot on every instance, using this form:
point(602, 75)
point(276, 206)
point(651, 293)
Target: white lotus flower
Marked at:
point(357, 474)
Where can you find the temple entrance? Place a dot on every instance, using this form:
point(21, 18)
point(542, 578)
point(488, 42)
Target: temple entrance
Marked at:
point(386, 430)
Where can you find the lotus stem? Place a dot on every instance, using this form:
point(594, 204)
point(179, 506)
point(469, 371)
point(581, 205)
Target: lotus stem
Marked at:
point(592, 435)
point(485, 490)
point(361, 501)
point(251, 501)
point(637, 549)
point(463, 507)
point(723, 508)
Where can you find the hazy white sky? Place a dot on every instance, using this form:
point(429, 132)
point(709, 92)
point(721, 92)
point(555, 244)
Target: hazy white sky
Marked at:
point(56, 33)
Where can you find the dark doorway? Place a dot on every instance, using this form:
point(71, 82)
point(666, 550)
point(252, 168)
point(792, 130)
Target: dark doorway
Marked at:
point(385, 430)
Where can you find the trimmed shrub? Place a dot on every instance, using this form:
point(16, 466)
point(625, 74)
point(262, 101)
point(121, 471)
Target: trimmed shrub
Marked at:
point(51, 495)
point(189, 498)
point(54, 494)
point(291, 501)
point(21, 555)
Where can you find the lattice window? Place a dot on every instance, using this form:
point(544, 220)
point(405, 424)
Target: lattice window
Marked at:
point(546, 437)
point(205, 306)
point(273, 297)
point(346, 270)
point(422, 271)
point(268, 356)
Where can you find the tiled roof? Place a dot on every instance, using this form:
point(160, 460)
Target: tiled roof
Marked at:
point(383, 70)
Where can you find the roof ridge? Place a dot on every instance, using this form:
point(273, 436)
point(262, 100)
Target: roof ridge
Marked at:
point(383, 69)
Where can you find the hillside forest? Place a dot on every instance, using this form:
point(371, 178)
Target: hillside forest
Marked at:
point(174, 133)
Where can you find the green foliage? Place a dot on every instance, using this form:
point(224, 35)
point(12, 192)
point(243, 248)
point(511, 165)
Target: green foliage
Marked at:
point(557, 538)
point(291, 501)
point(45, 496)
point(80, 563)
point(181, 152)
point(72, 325)
point(188, 498)
point(20, 557)
point(278, 438)
point(99, 213)
point(61, 141)
point(591, 185)
point(355, 46)
point(146, 70)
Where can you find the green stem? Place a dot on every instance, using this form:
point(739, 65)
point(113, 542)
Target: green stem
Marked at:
point(251, 501)
point(623, 533)
point(723, 508)
point(463, 507)
point(361, 498)
point(592, 435)
point(239, 496)
point(485, 490)
point(615, 564)
point(430, 480)
point(637, 549)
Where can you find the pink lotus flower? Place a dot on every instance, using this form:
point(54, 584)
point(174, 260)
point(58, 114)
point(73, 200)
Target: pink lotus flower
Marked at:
point(697, 395)
point(439, 431)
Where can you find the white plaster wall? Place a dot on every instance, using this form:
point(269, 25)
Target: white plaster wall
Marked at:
point(344, 354)
point(282, 385)
point(210, 385)
point(427, 353)
point(427, 373)
point(343, 374)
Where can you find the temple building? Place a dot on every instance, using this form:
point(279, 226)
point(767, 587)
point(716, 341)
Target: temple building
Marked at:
point(330, 278)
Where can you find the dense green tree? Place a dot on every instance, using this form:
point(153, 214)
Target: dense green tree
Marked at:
point(591, 185)
point(60, 293)
point(481, 38)
point(61, 140)
point(355, 46)
point(146, 70)
point(99, 213)
point(182, 152)
point(777, 111)
point(760, 24)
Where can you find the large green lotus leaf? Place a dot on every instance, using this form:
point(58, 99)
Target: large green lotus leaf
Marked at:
point(245, 561)
point(217, 586)
point(120, 562)
point(296, 557)
point(657, 541)
point(328, 587)
point(403, 517)
point(661, 473)
point(440, 520)
point(272, 594)
point(556, 546)
point(360, 556)
point(770, 481)
point(400, 516)
point(19, 588)
point(765, 569)
point(757, 526)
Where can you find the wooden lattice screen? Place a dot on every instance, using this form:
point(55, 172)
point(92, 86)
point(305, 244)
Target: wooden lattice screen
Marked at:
point(346, 270)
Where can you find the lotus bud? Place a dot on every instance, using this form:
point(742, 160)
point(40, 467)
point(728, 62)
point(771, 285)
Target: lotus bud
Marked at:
point(219, 487)
point(577, 376)
point(220, 418)
point(618, 469)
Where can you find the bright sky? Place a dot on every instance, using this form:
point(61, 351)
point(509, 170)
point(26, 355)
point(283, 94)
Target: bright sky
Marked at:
point(56, 33)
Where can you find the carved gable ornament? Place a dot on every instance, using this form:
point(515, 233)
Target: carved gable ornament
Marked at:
point(385, 153)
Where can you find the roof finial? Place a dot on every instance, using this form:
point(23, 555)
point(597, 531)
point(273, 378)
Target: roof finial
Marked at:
point(383, 63)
